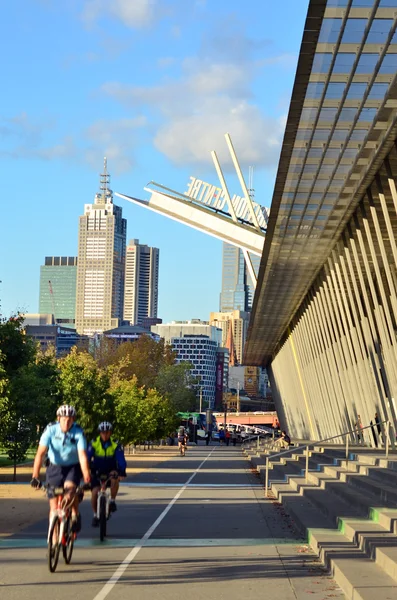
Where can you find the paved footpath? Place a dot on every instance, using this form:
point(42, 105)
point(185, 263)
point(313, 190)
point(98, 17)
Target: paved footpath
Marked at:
point(195, 527)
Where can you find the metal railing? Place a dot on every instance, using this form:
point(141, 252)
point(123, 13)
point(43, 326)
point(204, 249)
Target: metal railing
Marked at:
point(307, 448)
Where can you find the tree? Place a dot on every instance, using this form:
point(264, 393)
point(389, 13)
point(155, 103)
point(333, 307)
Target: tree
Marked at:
point(176, 383)
point(84, 385)
point(144, 359)
point(17, 348)
point(127, 398)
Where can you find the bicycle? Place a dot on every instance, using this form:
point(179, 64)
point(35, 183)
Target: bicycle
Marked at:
point(103, 503)
point(182, 447)
point(60, 534)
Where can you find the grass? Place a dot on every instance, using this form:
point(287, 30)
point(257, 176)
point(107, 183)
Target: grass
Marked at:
point(6, 462)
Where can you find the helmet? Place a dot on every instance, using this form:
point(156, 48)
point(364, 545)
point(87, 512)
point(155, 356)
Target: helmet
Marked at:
point(66, 410)
point(105, 426)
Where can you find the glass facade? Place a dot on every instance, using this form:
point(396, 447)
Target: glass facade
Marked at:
point(237, 288)
point(58, 288)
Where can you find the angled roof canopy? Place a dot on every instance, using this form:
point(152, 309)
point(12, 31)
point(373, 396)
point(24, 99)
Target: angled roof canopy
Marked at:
point(341, 125)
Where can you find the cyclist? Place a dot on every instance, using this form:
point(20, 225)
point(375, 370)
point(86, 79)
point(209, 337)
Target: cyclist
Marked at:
point(106, 457)
point(182, 439)
point(66, 446)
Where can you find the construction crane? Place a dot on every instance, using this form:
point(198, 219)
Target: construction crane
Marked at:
point(52, 297)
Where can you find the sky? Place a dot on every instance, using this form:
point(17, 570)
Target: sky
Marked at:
point(153, 85)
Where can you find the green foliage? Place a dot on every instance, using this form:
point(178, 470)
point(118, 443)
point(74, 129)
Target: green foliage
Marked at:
point(86, 387)
point(176, 383)
point(28, 389)
point(142, 359)
point(17, 348)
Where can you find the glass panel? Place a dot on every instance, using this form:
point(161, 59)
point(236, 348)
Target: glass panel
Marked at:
point(321, 62)
point(367, 63)
point(389, 64)
point(378, 91)
point(356, 91)
point(308, 114)
point(327, 114)
point(344, 62)
point(330, 31)
point(320, 134)
point(354, 31)
point(314, 90)
point(298, 153)
point(358, 135)
point(335, 91)
point(327, 207)
point(315, 153)
point(379, 31)
point(350, 153)
point(368, 114)
point(387, 4)
point(339, 135)
point(303, 134)
point(347, 114)
point(332, 153)
point(337, 3)
point(362, 3)
point(309, 169)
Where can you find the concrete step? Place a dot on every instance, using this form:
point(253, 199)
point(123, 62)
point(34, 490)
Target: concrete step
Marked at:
point(359, 577)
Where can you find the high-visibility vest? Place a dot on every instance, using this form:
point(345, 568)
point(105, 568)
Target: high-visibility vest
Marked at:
point(102, 452)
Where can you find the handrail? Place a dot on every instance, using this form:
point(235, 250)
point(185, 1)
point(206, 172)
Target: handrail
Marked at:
point(307, 446)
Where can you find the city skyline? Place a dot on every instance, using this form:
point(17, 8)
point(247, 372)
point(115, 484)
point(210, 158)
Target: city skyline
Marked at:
point(155, 119)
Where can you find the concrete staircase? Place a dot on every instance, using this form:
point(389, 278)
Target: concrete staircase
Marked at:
point(348, 517)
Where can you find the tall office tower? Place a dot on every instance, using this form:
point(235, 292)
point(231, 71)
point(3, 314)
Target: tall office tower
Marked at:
point(141, 282)
point(58, 288)
point(101, 263)
point(237, 287)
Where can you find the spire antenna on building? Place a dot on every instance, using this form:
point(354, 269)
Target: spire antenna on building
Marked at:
point(106, 192)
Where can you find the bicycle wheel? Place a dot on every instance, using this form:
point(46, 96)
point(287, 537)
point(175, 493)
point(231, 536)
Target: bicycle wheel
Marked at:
point(102, 518)
point(67, 549)
point(54, 546)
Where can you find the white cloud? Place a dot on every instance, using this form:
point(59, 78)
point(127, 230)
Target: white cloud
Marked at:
point(196, 110)
point(115, 139)
point(132, 13)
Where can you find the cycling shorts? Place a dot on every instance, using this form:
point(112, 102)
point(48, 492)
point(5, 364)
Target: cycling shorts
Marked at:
point(95, 481)
point(57, 475)
point(182, 441)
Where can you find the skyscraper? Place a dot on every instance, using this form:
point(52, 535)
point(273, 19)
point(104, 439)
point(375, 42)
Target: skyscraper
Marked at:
point(101, 263)
point(58, 288)
point(141, 282)
point(237, 289)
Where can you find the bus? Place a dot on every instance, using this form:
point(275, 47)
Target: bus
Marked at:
point(200, 419)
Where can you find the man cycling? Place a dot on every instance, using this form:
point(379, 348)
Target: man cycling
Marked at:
point(106, 457)
point(182, 439)
point(66, 446)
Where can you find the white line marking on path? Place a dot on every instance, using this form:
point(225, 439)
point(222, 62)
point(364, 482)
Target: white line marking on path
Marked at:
point(107, 588)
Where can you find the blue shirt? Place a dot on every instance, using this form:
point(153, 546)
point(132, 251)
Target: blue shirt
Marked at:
point(63, 448)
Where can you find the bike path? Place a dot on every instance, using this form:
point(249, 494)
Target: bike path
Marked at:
point(196, 525)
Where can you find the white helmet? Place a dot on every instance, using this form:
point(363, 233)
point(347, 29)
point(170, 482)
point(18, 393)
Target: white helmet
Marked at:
point(66, 410)
point(105, 426)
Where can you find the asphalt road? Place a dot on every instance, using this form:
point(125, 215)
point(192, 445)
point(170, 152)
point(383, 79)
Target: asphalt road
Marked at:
point(196, 526)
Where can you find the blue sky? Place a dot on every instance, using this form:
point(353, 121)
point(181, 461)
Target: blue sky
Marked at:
point(153, 85)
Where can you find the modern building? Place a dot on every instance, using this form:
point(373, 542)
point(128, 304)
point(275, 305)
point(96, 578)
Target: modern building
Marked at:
point(201, 352)
point(129, 333)
point(61, 338)
point(148, 322)
point(38, 319)
point(101, 263)
point(237, 286)
point(234, 326)
point(141, 282)
point(58, 288)
point(324, 318)
point(193, 327)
